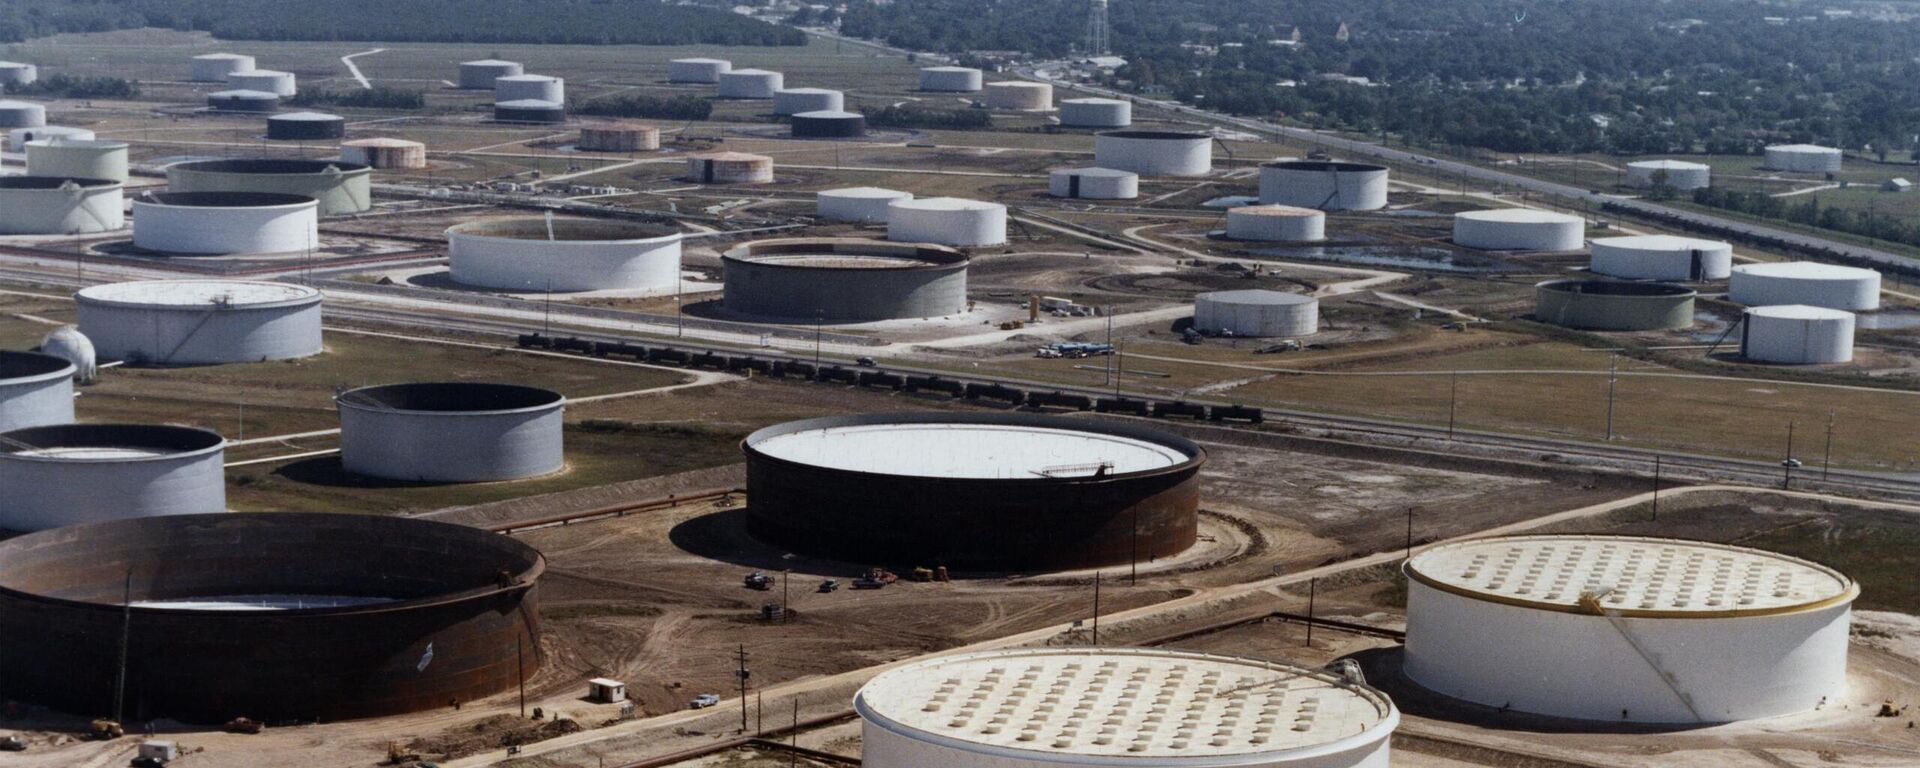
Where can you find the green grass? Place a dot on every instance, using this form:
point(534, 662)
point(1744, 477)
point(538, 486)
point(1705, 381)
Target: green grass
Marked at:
point(1882, 554)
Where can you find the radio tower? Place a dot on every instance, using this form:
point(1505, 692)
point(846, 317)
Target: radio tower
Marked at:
point(1097, 28)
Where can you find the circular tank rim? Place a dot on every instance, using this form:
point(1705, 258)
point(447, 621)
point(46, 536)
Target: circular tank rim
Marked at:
point(303, 296)
point(183, 442)
point(21, 367)
point(66, 143)
point(533, 229)
point(1337, 166)
point(547, 399)
point(52, 183)
point(260, 167)
point(1156, 135)
point(1619, 289)
point(221, 200)
point(1805, 271)
point(931, 257)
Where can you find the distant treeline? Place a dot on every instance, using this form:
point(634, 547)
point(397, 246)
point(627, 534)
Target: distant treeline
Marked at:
point(70, 87)
point(639, 105)
point(579, 22)
point(381, 97)
point(920, 117)
point(1807, 210)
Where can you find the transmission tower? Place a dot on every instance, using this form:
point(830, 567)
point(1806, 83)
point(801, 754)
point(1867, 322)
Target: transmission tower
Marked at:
point(1097, 28)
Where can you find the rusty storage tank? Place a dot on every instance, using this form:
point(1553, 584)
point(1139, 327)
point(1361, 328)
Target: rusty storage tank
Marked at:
point(275, 616)
point(618, 137)
point(730, 168)
point(385, 154)
point(980, 491)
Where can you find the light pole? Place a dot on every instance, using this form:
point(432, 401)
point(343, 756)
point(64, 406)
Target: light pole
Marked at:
point(1787, 464)
point(1613, 379)
point(1453, 403)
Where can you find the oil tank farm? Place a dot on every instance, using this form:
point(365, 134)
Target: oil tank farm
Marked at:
point(793, 101)
point(1256, 314)
point(829, 124)
point(200, 322)
point(67, 343)
point(1662, 257)
point(1155, 153)
point(22, 114)
point(1207, 711)
point(306, 126)
point(750, 84)
point(1276, 223)
point(451, 432)
point(214, 67)
point(366, 616)
point(730, 168)
point(269, 80)
point(534, 87)
point(68, 474)
point(1605, 305)
point(950, 79)
point(385, 154)
point(533, 111)
point(220, 223)
point(1677, 174)
point(339, 186)
point(1805, 282)
point(947, 221)
point(35, 390)
point(1627, 629)
point(1519, 229)
point(479, 75)
point(860, 205)
point(241, 100)
point(531, 254)
point(1096, 113)
point(1796, 334)
point(844, 280)
point(78, 158)
point(14, 74)
point(618, 137)
point(1803, 158)
point(701, 71)
point(57, 205)
point(1019, 96)
point(979, 491)
point(1324, 185)
point(1093, 184)
point(17, 138)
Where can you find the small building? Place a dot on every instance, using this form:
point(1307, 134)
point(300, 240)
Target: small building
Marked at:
point(601, 690)
point(1898, 184)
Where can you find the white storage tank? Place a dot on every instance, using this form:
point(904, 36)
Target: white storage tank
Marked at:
point(750, 84)
point(385, 154)
point(534, 87)
point(14, 73)
point(1678, 174)
point(698, 70)
point(1256, 314)
point(532, 254)
point(618, 137)
point(950, 79)
point(1096, 113)
point(1276, 223)
point(200, 322)
point(451, 432)
point(340, 187)
point(268, 80)
point(18, 138)
point(1119, 708)
point(1805, 282)
point(947, 221)
point(35, 390)
point(861, 205)
point(56, 205)
point(81, 158)
point(479, 75)
point(1627, 629)
point(1519, 229)
point(730, 168)
point(1803, 158)
point(1325, 185)
point(1093, 184)
point(1662, 257)
point(1796, 334)
point(69, 474)
point(793, 101)
point(22, 114)
point(69, 344)
point(1155, 153)
point(1019, 96)
point(221, 223)
point(214, 67)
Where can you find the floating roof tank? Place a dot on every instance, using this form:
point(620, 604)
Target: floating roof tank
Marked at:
point(750, 84)
point(241, 100)
point(1662, 257)
point(78, 158)
point(1155, 153)
point(1678, 174)
point(1256, 313)
point(1805, 282)
point(220, 223)
point(22, 114)
point(340, 187)
point(844, 280)
point(530, 87)
point(36, 389)
point(1324, 185)
point(950, 79)
point(793, 101)
point(1797, 334)
point(479, 75)
point(532, 254)
point(451, 432)
point(863, 205)
point(214, 67)
point(269, 80)
point(68, 474)
point(201, 322)
point(57, 205)
point(1276, 223)
point(1519, 229)
point(1604, 305)
point(947, 221)
point(707, 71)
point(829, 125)
point(1093, 184)
point(1096, 113)
point(306, 126)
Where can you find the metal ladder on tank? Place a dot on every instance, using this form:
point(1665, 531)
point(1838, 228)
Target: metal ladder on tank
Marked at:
point(1731, 327)
point(1591, 602)
point(224, 301)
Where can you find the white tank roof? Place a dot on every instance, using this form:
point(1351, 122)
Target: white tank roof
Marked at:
point(865, 192)
point(1519, 216)
point(1669, 165)
point(1813, 149)
point(221, 56)
point(1109, 173)
point(1631, 575)
point(947, 204)
point(1227, 709)
point(1261, 297)
point(1660, 243)
point(1276, 210)
point(192, 293)
point(1094, 100)
point(489, 63)
point(701, 61)
point(973, 451)
point(243, 93)
point(315, 116)
point(1806, 270)
point(1799, 312)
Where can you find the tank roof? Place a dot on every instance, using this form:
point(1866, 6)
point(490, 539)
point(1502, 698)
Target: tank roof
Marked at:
point(1805, 270)
point(969, 450)
point(1336, 166)
point(527, 78)
point(1676, 165)
point(701, 60)
point(1617, 288)
point(1109, 173)
point(1257, 296)
point(198, 293)
point(1630, 576)
point(1520, 216)
point(1286, 211)
point(873, 192)
point(1159, 135)
point(52, 183)
point(17, 104)
point(945, 204)
point(810, 91)
point(306, 116)
point(212, 56)
point(1799, 312)
point(451, 398)
point(381, 142)
point(256, 72)
point(1661, 243)
point(1808, 148)
point(22, 367)
point(949, 69)
point(736, 157)
point(489, 62)
point(831, 114)
point(62, 141)
point(225, 199)
point(750, 71)
point(107, 442)
point(1094, 100)
point(242, 93)
point(534, 228)
point(1017, 84)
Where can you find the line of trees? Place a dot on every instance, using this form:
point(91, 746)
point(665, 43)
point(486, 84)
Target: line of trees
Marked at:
point(1807, 210)
point(642, 105)
point(921, 117)
point(70, 87)
point(378, 97)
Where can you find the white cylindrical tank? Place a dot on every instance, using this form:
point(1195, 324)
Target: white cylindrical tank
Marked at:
point(18, 138)
point(1803, 158)
point(1019, 96)
point(1096, 113)
point(1256, 313)
point(385, 154)
point(1325, 185)
point(214, 67)
point(55, 205)
point(1797, 334)
point(267, 80)
point(1662, 257)
point(1627, 629)
point(950, 79)
point(68, 474)
point(68, 343)
point(340, 187)
point(730, 168)
point(220, 223)
point(863, 205)
point(201, 322)
point(14, 73)
point(1805, 282)
point(793, 101)
point(78, 158)
point(35, 390)
point(22, 114)
point(530, 87)
point(947, 221)
point(706, 71)
point(1155, 153)
point(1119, 708)
point(1678, 174)
point(1093, 184)
point(750, 84)
point(1276, 223)
point(451, 432)
point(1519, 229)
point(531, 254)
point(479, 75)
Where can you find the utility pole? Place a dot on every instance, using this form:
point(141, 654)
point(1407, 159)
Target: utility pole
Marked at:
point(679, 320)
point(1409, 533)
point(1133, 561)
point(1656, 487)
point(743, 675)
point(520, 658)
point(1613, 378)
point(1453, 403)
point(1786, 465)
point(1313, 587)
point(126, 637)
point(793, 734)
point(818, 318)
point(1826, 461)
point(1096, 607)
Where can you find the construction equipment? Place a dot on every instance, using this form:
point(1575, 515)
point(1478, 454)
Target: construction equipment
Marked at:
point(829, 585)
point(881, 575)
point(244, 725)
point(13, 743)
point(105, 730)
point(922, 574)
point(398, 754)
point(757, 580)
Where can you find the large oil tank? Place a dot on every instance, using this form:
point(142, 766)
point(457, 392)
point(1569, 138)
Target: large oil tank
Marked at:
point(220, 223)
point(214, 67)
point(200, 322)
point(1324, 185)
point(35, 390)
point(451, 432)
point(697, 70)
point(67, 474)
point(530, 254)
point(480, 75)
point(78, 158)
point(339, 186)
point(269, 80)
point(1604, 305)
point(53, 205)
point(947, 221)
point(1155, 153)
